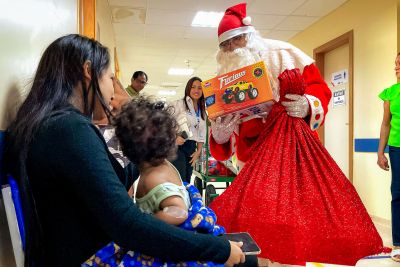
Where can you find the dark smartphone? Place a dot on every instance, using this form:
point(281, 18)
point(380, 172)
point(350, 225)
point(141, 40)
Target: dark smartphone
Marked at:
point(184, 135)
point(249, 247)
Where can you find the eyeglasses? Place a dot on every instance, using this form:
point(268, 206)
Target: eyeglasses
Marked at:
point(141, 81)
point(225, 44)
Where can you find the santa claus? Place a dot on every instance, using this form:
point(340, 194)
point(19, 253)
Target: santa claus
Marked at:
point(290, 196)
point(241, 45)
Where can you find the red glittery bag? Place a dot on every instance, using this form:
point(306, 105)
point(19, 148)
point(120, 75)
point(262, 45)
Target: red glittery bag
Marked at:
point(293, 198)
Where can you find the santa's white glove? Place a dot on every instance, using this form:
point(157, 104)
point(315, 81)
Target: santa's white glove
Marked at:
point(298, 107)
point(222, 128)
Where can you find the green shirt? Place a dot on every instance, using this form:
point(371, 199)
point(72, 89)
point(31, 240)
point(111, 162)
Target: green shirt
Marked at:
point(392, 94)
point(132, 92)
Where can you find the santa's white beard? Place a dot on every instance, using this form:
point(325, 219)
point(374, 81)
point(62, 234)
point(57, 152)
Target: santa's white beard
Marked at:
point(238, 58)
point(245, 56)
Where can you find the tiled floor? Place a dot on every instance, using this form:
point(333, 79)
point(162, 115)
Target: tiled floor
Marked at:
point(385, 232)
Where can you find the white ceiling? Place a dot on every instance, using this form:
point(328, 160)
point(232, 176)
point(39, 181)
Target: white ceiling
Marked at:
point(155, 35)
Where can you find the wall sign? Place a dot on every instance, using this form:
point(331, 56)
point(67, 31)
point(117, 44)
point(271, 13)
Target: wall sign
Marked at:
point(339, 98)
point(339, 77)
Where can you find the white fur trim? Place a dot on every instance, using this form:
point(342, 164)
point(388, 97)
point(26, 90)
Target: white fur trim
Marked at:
point(246, 20)
point(235, 32)
point(317, 112)
point(280, 56)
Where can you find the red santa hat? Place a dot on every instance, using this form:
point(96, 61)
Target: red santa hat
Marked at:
point(234, 22)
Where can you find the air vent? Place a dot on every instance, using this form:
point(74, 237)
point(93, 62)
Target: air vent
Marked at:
point(128, 15)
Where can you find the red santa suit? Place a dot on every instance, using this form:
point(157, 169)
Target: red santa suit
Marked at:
point(278, 57)
point(291, 196)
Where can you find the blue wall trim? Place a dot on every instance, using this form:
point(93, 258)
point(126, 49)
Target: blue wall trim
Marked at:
point(367, 145)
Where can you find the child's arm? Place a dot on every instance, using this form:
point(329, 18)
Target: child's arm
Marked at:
point(172, 210)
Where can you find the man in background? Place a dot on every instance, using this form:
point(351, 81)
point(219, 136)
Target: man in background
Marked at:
point(138, 82)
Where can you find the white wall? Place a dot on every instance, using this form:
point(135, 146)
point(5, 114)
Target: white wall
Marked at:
point(105, 30)
point(27, 27)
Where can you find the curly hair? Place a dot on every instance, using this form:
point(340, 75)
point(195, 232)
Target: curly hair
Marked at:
point(146, 131)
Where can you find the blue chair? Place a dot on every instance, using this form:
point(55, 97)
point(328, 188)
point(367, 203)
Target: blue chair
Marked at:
point(13, 209)
point(18, 207)
point(15, 220)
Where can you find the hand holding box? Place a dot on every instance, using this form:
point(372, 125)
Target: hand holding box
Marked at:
point(246, 90)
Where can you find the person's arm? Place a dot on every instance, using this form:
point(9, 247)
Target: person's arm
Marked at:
point(173, 210)
point(179, 140)
point(83, 159)
point(312, 105)
point(201, 138)
point(384, 135)
point(318, 95)
point(195, 156)
point(178, 112)
point(222, 133)
point(220, 151)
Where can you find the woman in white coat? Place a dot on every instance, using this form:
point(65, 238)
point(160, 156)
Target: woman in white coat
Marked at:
point(190, 114)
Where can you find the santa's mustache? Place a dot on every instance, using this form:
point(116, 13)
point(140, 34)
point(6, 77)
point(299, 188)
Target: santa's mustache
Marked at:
point(238, 58)
point(237, 54)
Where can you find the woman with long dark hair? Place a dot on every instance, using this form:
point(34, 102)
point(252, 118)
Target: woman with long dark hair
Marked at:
point(190, 111)
point(73, 191)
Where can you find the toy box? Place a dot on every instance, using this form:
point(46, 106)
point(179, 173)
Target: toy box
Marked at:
point(244, 90)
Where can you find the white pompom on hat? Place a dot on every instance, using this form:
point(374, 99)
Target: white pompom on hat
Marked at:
point(234, 22)
point(246, 20)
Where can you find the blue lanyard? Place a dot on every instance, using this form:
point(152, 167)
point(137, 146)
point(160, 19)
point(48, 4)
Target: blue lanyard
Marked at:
point(198, 113)
point(198, 118)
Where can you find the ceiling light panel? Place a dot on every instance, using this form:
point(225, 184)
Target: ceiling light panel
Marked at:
point(207, 19)
point(180, 71)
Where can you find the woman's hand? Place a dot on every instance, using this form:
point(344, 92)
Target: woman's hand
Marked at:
point(179, 141)
point(383, 162)
point(237, 255)
point(195, 156)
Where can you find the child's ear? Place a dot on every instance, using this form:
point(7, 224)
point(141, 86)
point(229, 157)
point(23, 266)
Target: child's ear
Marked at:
point(87, 70)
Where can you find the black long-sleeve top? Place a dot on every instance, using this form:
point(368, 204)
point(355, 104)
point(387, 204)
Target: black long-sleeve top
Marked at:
point(82, 202)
